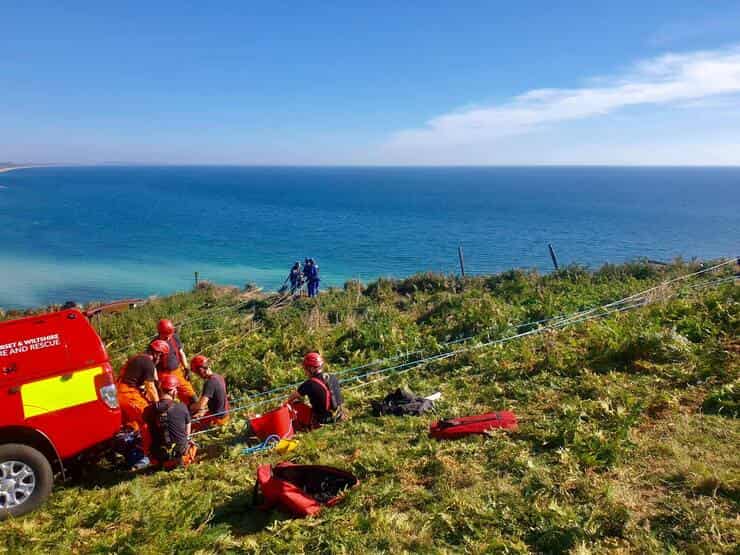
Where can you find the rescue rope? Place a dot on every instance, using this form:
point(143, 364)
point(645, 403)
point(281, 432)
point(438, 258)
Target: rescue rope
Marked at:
point(443, 356)
point(572, 320)
point(269, 443)
point(638, 300)
point(533, 332)
point(346, 371)
point(209, 313)
point(555, 321)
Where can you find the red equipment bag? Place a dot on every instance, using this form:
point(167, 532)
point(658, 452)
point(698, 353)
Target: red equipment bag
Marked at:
point(452, 428)
point(302, 415)
point(301, 489)
point(276, 422)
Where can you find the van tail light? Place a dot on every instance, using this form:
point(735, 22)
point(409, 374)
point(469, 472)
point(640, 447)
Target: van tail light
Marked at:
point(107, 387)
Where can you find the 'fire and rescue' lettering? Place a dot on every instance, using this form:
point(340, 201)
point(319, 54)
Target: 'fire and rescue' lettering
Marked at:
point(31, 344)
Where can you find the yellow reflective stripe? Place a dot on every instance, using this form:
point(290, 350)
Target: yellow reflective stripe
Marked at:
point(59, 392)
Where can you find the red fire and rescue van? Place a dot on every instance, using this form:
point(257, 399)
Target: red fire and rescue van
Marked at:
point(57, 400)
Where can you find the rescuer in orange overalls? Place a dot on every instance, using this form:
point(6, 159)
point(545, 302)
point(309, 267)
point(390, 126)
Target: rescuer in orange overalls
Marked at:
point(137, 388)
point(175, 363)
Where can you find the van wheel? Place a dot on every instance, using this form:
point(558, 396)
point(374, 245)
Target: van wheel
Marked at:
point(26, 479)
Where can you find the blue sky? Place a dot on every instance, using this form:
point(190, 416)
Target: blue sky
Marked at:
point(371, 83)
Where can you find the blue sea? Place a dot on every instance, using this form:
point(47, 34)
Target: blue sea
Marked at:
point(94, 233)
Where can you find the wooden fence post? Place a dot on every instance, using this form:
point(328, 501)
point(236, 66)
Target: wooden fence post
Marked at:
point(196, 280)
point(552, 255)
point(462, 260)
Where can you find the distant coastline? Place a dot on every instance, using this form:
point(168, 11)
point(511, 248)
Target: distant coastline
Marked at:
point(11, 168)
point(4, 169)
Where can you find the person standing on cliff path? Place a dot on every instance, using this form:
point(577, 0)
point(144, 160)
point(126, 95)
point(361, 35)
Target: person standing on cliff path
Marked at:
point(313, 278)
point(295, 278)
point(306, 269)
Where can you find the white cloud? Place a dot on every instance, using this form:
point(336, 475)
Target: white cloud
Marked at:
point(665, 80)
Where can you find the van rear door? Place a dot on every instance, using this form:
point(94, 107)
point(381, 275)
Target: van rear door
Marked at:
point(28, 349)
point(45, 357)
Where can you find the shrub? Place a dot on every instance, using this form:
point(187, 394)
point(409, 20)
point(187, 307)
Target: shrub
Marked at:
point(427, 282)
point(453, 317)
point(724, 401)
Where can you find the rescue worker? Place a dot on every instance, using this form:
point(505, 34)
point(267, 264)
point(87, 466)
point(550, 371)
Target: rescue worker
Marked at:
point(137, 388)
point(295, 277)
point(306, 269)
point(176, 362)
point(323, 392)
point(171, 446)
point(213, 406)
point(313, 278)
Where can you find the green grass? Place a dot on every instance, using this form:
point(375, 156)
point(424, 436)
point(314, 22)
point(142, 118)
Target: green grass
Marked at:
point(628, 438)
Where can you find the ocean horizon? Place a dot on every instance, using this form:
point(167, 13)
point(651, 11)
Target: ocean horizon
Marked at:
point(103, 232)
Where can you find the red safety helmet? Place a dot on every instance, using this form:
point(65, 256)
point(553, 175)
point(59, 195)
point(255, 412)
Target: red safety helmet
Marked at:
point(313, 360)
point(198, 362)
point(159, 346)
point(168, 382)
point(165, 327)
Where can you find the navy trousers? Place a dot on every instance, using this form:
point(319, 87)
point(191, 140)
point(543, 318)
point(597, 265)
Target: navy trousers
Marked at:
point(313, 288)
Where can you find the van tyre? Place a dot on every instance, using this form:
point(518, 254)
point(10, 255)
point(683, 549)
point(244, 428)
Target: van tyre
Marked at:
point(26, 479)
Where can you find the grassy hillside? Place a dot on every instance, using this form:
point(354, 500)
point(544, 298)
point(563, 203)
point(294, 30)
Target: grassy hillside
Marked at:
point(628, 438)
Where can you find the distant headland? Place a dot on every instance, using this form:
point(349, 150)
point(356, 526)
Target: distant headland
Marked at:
point(6, 168)
point(9, 166)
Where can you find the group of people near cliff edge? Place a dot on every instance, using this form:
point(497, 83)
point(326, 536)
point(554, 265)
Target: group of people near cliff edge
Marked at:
point(159, 403)
point(307, 275)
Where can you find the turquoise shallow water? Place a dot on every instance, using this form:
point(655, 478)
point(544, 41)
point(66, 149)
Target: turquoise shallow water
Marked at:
point(108, 232)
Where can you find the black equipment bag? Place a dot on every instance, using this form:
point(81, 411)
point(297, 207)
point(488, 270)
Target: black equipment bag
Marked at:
point(402, 402)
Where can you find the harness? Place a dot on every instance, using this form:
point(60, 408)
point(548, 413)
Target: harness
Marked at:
point(162, 424)
point(327, 392)
point(171, 457)
point(174, 348)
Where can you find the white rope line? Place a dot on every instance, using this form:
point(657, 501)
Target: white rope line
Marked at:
point(562, 319)
point(576, 318)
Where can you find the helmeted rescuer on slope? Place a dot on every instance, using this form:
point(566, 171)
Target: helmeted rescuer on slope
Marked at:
point(137, 388)
point(213, 406)
point(170, 423)
point(175, 362)
point(322, 389)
